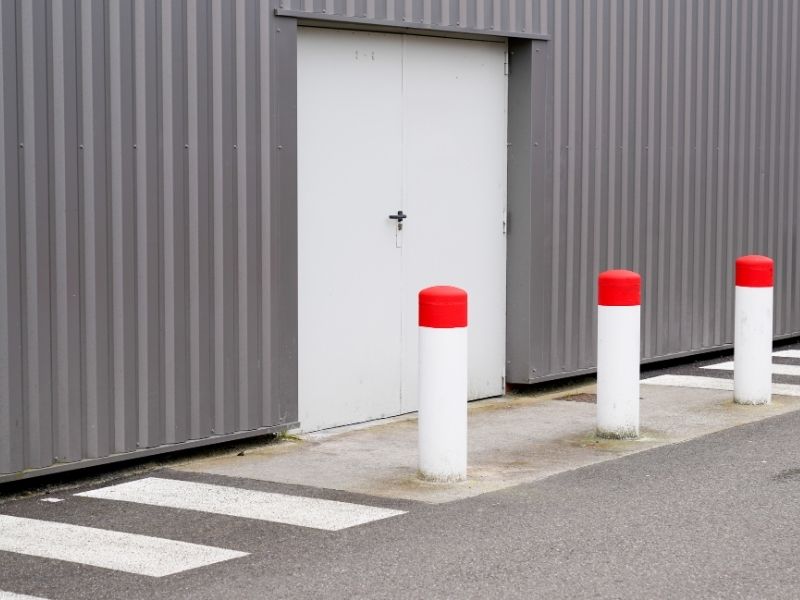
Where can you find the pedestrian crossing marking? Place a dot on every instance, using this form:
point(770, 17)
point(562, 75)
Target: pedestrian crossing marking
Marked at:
point(128, 552)
point(13, 596)
point(777, 369)
point(787, 354)
point(316, 513)
point(714, 383)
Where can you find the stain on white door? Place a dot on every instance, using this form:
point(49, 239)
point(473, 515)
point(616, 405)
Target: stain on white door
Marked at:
point(390, 123)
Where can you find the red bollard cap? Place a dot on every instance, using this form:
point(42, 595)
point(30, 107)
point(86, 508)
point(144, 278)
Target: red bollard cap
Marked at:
point(619, 288)
point(443, 307)
point(754, 271)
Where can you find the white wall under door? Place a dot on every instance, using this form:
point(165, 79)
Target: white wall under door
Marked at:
point(391, 122)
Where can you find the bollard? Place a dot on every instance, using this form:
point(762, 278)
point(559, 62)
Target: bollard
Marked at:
point(618, 332)
point(443, 383)
point(752, 336)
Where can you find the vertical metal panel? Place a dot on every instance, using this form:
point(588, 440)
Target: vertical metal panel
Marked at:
point(507, 18)
point(123, 234)
point(12, 435)
point(35, 247)
point(68, 386)
point(147, 245)
point(686, 114)
point(264, 163)
point(93, 187)
point(283, 221)
point(138, 229)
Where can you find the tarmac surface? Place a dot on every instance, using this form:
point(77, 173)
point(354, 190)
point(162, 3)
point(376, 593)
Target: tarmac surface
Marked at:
point(717, 516)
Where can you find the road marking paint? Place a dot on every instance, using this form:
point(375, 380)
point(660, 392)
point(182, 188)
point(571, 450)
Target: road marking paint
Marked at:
point(129, 552)
point(787, 354)
point(317, 513)
point(13, 596)
point(777, 369)
point(693, 381)
point(714, 383)
point(723, 366)
point(53, 500)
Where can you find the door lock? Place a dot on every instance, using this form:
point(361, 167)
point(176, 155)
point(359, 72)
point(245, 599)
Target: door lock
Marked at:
point(399, 218)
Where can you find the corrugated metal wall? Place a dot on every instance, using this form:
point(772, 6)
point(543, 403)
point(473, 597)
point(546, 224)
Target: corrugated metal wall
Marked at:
point(674, 149)
point(136, 226)
point(148, 217)
point(513, 18)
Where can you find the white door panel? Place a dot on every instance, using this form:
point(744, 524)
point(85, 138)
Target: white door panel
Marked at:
point(389, 122)
point(454, 133)
point(349, 161)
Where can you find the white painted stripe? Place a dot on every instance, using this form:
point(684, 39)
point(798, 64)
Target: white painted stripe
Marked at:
point(13, 596)
point(723, 366)
point(776, 368)
point(129, 552)
point(713, 383)
point(787, 354)
point(693, 381)
point(329, 515)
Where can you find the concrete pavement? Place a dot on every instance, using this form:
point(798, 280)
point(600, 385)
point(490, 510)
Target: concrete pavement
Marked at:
point(519, 438)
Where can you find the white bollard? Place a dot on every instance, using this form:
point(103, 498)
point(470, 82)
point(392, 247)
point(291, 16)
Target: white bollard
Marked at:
point(443, 383)
point(618, 354)
point(752, 336)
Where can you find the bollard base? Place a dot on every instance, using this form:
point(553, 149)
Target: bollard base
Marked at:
point(441, 477)
point(752, 401)
point(624, 433)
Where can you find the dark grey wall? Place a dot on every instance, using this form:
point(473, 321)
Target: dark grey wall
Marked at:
point(147, 226)
point(672, 148)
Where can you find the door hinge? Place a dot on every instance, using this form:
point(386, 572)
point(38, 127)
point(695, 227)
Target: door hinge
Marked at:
point(505, 221)
point(506, 67)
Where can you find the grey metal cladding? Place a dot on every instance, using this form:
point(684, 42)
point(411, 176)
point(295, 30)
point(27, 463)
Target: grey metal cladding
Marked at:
point(148, 209)
point(675, 149)
point(506, 18)
point(140, 275)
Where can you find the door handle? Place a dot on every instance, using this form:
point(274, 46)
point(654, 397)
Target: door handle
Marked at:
point(399, 218)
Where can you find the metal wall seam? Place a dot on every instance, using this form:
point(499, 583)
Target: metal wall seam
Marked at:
point(121, 339)
point(193, 92)
point(11, 334)
point(35, 231)
point(268, 415)
point(782, 118)
point(793, 211)
point(6, 425)
point(68, 388)
point(169, 201)
point(243, 217)
point(150, 426)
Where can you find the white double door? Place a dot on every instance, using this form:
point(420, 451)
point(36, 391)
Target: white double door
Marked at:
point(390, 123)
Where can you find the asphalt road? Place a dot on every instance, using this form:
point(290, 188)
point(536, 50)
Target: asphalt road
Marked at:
point(717, 517)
